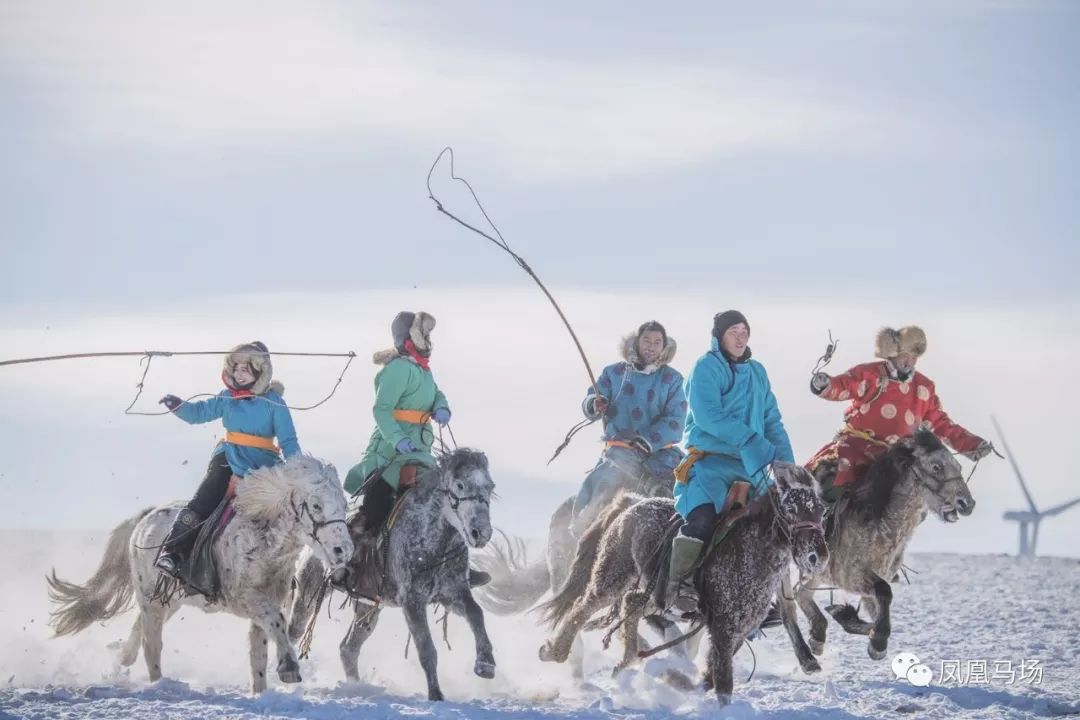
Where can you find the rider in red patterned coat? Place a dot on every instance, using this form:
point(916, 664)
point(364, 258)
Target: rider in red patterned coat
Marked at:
point(889, 400)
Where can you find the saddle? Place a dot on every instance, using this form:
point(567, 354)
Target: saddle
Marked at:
point(200, 571)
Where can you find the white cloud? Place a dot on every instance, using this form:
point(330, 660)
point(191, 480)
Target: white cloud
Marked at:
point(515, 383)
point(263, 74)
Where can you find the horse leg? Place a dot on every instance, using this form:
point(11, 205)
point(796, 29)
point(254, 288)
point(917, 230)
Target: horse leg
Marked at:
point(360, 630)
point(791, 623)
point(819, 625)
point(416, 617)
point(258, 652)
point(485, 658)
point(879, 635)
point(633, 604)
point(723, 679)
point(268, 617)
point(152, 619)
point(557, 649)
point(129, 653)
point(847, 615)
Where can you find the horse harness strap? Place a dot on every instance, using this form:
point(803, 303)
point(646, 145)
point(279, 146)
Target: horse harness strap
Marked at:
point(628, 446)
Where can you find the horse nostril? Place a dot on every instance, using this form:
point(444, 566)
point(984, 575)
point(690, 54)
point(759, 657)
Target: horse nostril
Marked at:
point(812, 557)
point(475, 534)
point(338, 550)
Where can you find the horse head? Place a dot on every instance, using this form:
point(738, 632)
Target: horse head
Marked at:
point(463, 477)
point(304, 493)
point(939, 476)
point(799, 510)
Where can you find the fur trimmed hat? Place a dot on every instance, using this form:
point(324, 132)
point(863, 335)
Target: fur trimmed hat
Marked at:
point(257, 356)
point(889, 342)
point(408, 326)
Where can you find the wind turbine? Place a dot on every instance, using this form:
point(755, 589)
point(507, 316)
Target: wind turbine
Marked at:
point(1028, 519)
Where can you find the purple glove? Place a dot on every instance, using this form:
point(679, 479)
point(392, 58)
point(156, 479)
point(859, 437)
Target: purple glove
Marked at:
point(171, 401)
point(405, 446)
point(441, 416)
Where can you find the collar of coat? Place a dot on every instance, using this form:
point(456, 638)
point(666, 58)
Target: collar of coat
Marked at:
point(628, 350)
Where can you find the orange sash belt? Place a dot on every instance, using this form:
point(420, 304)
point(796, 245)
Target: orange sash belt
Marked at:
point(255, 441)
point(413, 417)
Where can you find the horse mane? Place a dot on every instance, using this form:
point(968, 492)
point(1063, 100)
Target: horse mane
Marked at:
point(874, 491)
point(454, 462)
point(264, 493)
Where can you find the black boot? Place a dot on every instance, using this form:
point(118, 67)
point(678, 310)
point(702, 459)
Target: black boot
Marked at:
point(178, 543)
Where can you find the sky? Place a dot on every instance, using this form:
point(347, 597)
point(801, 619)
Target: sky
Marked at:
point(177, 176)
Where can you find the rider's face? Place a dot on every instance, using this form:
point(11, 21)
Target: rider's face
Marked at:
point(905, 363)
point(243, 375)
point(650, 345)
point(735, 339)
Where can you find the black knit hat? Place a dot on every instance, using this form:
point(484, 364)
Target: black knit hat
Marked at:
point(723, 321)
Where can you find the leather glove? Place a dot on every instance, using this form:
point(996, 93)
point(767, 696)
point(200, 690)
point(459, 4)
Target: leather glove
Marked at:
point(598, 405)
point(982, 450)
point(171, 401)
point(641, 445)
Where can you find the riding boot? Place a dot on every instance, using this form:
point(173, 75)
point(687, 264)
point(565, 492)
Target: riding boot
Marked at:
point(681, 593)
point(177, 545)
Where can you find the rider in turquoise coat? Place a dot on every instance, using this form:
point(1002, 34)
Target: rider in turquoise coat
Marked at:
point(733, 432)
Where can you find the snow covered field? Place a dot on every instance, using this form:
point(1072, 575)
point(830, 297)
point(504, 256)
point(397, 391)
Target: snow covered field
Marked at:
point(957, 611)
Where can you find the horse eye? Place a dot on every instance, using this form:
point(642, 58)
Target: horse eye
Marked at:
point(937, 467)
point(316, 507)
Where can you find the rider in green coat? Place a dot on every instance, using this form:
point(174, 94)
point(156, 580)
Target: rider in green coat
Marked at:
point(406, 400)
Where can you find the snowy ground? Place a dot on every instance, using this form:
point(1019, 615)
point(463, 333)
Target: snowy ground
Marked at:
point(957, 611)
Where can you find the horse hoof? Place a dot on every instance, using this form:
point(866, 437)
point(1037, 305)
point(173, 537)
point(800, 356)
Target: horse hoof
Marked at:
point(877, 653)
point(810, 666)
point(289, 676)
point(546, 653)
point(817, 646)
point(435, 695)
point(724, 699)
point(484, 669)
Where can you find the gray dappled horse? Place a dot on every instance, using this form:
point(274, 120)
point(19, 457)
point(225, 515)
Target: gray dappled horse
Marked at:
point(426, 554)
point(867, 532)
point(279, 510)
point(617, 560)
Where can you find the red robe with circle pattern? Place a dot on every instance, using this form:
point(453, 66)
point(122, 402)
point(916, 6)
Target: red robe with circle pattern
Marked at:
point(883, 410)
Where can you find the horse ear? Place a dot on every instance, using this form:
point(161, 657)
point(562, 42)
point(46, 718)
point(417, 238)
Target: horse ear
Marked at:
point(782, 472)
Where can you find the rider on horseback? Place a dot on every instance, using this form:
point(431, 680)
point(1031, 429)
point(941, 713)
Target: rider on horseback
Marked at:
point(733, 433)
point(889, 401)
point(253, 412)
point(406, 401)
point(643, 408)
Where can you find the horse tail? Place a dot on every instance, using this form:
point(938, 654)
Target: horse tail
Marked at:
point(558, 607)
point(515, 583)
point(105, 595)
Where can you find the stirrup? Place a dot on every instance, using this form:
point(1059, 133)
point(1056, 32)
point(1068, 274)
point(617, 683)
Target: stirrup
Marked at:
point(169, 564)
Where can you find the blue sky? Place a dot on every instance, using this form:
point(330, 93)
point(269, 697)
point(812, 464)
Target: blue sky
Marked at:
point(177, 176)
point(926, 147)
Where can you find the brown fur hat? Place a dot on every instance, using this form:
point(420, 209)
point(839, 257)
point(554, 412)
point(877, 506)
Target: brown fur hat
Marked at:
point(890, 343)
